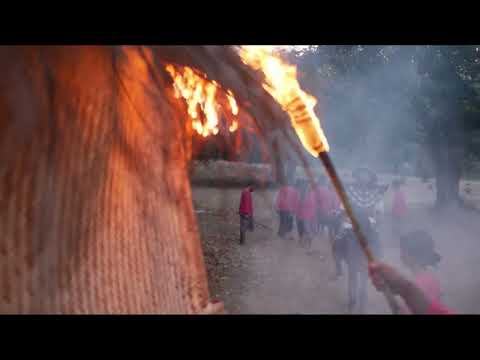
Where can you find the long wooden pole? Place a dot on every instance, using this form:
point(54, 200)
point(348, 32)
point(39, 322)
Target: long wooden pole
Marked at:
point(332, 173)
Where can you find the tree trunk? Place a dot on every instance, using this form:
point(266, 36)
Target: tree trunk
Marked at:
point(95, 205)
point(447, 175)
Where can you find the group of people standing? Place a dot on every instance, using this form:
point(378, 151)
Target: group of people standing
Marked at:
point(308, 204)
point(315, 206)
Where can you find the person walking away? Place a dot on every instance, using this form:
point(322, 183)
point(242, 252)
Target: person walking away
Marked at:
point(348, 251)
point(246, 212)
point(300, 186)
point(306, 215)
point(334, 209)
point(286, 205)
point(399, 209)
point(364, 193)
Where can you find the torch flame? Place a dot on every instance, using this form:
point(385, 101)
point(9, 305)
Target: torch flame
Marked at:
point(282, 84)
point(201, 97)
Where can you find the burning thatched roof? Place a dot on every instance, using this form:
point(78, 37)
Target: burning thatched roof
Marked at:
point(95, 205)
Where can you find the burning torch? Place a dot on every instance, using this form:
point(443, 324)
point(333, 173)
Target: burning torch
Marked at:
point(282, 84)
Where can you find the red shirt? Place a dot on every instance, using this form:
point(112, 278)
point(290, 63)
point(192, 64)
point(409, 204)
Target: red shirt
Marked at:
point(437, 308)
point(399, 204)
point(307, 206)
point(431, 288)
point(246, 207)
point(429, 285)
point(287, 199)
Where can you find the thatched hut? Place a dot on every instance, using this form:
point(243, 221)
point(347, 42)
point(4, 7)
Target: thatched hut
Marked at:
point(95, 202)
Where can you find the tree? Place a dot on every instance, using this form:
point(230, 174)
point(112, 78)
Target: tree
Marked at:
point(396, 95)
point(448, 113)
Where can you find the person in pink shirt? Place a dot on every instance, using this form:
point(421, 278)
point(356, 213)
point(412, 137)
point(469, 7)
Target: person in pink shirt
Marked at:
point(286, 205)
point(399, 209)
point(246, 212)
point(306, 214)
point(422, 294)
point(333, 207)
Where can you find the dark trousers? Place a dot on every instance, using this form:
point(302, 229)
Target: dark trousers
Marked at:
point(305, 231)
point(300, 227)
point(286, 223)
point(323, 222)
point(246, 224)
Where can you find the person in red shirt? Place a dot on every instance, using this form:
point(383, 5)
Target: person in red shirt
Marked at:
point(383, 275)
point(246, 212)
point(286, 205)
point(306, 214)
point(423, 294)
point(399, 209)
point(333, 206)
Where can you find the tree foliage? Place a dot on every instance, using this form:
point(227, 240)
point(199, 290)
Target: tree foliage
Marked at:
point(399, 95)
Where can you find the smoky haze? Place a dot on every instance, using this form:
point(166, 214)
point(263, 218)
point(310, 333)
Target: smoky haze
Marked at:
point(369, 112)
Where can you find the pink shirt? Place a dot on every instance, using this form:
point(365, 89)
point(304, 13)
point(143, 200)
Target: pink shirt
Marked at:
point(307, 208)
point(429, 285)
point(287, 199)
point(246, 207)
point(437, 308)
point(323, 199)
point(431, 288)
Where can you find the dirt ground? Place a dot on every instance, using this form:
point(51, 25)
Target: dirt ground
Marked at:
point(268, 275)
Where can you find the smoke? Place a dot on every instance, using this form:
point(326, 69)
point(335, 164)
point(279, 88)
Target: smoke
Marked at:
point(371, 115)
point(367, 108)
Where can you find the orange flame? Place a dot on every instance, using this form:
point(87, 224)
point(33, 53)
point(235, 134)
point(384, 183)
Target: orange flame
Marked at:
point(201, 96)
point(282, 84)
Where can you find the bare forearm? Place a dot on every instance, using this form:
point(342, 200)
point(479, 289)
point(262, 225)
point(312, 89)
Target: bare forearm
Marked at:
point(416, 300)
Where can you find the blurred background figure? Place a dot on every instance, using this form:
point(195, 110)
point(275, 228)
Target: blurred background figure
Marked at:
point(246, 212)
point(323, 205)
point(347, 250)
point(286, 205)
point(306, 213)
